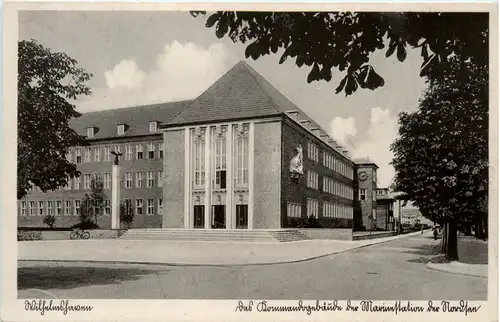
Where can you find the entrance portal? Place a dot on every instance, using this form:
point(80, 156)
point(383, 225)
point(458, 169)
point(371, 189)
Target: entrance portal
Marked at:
point(218, 217)
point(199, 216)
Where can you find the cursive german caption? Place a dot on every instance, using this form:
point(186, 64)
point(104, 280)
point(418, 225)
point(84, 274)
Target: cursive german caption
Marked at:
point(62, 306)
point(463, 307)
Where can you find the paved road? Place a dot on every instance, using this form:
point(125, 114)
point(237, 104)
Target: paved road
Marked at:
point(389, 271)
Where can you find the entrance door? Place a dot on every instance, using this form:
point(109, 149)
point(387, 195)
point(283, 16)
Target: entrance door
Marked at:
point(241, 216)
point(199, 216)
point(218, 217)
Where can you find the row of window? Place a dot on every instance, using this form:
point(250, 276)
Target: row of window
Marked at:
point(330, 210)
point(363, 195)
point(329, 185)
point(338, 189)
point(93, 153)
point(72, 207)
point(337, 165)
point(329, 161)
point(142, 180)
point(218, 144)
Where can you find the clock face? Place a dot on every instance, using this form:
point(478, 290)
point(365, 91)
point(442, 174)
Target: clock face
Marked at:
point(363, 176)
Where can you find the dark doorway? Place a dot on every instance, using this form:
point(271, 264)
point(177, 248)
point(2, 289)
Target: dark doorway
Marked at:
point(218, 217)
point(241, 216)
point(199, 216)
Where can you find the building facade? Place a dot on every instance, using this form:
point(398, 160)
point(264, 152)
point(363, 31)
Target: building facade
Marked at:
point(239, 156)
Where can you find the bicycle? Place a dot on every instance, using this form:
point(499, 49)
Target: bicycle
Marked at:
point(79, 234)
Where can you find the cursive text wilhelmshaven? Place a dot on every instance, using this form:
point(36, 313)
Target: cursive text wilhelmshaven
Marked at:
point(46, 306)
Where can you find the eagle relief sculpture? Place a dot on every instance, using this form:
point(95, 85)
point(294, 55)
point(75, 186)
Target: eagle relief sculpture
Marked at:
point(296, 165)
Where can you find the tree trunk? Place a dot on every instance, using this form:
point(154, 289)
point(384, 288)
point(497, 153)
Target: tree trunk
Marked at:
point(444, 238)
point(452, 242)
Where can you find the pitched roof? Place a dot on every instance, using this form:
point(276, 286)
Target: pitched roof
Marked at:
point(137, 118)
point(240, 93)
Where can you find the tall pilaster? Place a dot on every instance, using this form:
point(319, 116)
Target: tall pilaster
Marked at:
point(115, 197)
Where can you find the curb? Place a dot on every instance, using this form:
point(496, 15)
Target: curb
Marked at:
point(447, 268)
point(218, 265)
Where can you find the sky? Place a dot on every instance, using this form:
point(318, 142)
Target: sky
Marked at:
point(145, 57)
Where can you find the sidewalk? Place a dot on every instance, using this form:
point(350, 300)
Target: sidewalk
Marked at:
point(184, 253)
point(473, 258)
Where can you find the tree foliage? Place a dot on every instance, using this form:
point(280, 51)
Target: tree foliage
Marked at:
point(441, 154)
point(47, 83)
point(345, 40)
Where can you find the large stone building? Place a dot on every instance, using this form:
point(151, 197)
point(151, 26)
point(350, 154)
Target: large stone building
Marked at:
point(239, 156)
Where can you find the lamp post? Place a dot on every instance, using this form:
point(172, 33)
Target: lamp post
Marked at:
point(115, 192)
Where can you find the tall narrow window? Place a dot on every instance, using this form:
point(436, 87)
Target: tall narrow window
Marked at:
point(97, 154)
point(50, 207)
point(241, 216)
point(107, 154)
point(86, 182)
point(128, 180)
point(78, 155)
point(77, 183)
point(77, 207)
point(151, 151)
point(69, 155)
point(68, 184)
point(23, 208)
point(198, 157)
point(160, 178)
point(151, 206)
point(139, 151)
point(128, 152)
point(151, 179)
point(160, 150)
point(59, 207)
point(88, 151)
point(160, 206)
point(199, 216)
point(128, 203)
point(41, 208)
point(68, 209)
point(312, 207)
point(138, 207)
point(139, 180)
point(107, 180)
point(241, 155)
point(33, 209)
point(219, 142)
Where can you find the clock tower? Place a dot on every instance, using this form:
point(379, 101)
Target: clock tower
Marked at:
point(366, 201)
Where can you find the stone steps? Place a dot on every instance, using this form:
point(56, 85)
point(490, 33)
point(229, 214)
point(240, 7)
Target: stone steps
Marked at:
point(277, 236)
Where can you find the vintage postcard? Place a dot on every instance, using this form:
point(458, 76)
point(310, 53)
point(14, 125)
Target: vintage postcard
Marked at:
point(249, 162)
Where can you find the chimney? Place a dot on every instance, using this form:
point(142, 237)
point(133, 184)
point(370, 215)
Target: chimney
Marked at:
point(294, 115)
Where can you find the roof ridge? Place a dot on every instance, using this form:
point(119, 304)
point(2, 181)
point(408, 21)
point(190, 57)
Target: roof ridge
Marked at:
point(136, 106)
point(203, 92)
point(252, 71)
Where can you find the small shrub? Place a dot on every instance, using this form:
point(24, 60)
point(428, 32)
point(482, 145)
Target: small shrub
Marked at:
point(49, 220)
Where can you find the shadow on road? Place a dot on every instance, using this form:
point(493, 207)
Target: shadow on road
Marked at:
point(68, 277)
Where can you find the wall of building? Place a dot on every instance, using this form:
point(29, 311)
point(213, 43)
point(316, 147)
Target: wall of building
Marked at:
point(267, 175)
point(93, 167)
point(173, 192)
point(298, 191)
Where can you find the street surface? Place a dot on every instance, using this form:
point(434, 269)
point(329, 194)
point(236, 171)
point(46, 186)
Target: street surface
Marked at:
point(389, 271)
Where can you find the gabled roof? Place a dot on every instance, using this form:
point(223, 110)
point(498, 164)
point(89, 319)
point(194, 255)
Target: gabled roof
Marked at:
point(241, 93)
point(137, 118)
